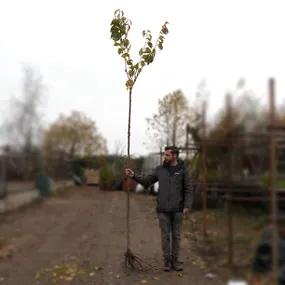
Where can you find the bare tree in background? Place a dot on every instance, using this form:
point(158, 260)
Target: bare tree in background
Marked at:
point(24, 123)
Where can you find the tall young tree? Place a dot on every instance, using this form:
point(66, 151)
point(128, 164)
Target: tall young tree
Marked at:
point(120, 27)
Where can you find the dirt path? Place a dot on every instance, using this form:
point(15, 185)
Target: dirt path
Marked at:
point(80, 237)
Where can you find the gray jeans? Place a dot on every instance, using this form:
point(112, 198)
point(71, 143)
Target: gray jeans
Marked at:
point(170, 225)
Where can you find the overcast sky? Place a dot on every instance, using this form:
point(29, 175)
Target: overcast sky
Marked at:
point(68, 41)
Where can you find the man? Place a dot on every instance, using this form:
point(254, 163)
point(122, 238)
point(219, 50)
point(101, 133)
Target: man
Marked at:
point(174, 198)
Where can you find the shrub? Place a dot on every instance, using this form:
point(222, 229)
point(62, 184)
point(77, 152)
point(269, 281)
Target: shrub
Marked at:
point(106, 177)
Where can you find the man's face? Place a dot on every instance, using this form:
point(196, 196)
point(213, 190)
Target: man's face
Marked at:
point(169, 156)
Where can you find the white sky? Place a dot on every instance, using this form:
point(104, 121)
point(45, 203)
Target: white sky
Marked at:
point(69, 42)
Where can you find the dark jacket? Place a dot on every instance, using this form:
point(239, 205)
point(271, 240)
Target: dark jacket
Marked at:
point(175, 191)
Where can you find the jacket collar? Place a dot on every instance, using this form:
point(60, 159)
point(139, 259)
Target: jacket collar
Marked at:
point(180, 163)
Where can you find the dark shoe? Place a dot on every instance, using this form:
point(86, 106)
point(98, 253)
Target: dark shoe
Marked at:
point(167, 266)
point(177, 266)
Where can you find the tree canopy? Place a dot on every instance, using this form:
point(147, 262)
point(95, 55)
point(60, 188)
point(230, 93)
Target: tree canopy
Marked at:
point(168, 125)
point(76, 135)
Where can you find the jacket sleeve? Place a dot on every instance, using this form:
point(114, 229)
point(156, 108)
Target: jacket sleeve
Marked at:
point(188, 190)
point(147, 180)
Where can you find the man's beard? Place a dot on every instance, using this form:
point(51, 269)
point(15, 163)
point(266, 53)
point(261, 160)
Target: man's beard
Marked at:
point(166, 162)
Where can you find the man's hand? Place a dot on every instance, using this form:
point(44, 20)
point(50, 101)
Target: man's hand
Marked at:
point(186, 211)
point(129, 172)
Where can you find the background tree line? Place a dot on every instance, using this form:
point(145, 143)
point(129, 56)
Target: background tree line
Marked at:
point(175, 114)
point(75, 137)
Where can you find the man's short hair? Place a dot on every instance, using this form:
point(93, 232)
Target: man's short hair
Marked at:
point(174, 150)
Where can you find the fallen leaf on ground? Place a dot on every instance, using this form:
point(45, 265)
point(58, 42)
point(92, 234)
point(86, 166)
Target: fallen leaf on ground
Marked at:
point(7, 250)
point(66, 271)
point(210, 275)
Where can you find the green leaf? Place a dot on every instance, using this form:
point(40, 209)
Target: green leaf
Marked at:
point(149, 58)
point(145, 57)
point(129, 83)
point(114, 22)
point(115, 36)
point(148, 50)
point(164, 29)
point(126, 42)
point(118, 13)
point(125, 55)
point(131, 73)
point(149, 37)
